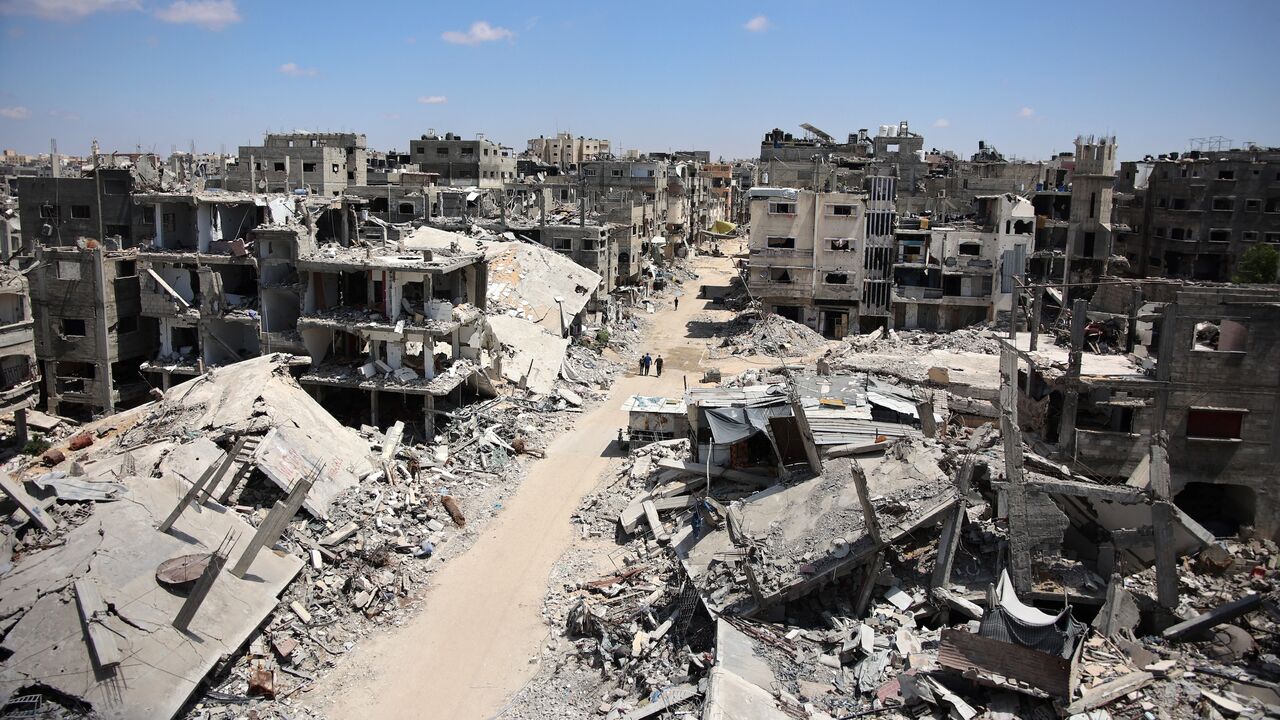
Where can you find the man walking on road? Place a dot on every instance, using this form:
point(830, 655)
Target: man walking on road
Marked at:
point(645, 363)
point(642, 365)
point(658, 364)
point(677, 303)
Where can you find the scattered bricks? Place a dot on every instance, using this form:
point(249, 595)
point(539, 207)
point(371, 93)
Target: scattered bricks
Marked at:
point(262, 683)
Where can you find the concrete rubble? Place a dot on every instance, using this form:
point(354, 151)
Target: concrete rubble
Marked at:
point(798, 577)
point(378, 514)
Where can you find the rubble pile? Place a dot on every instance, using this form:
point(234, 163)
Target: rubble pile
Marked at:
point(881, 584)
point(976, 339)
point(755, 333)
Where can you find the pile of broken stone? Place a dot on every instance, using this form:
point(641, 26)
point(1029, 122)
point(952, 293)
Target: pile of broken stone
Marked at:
point(897, 644)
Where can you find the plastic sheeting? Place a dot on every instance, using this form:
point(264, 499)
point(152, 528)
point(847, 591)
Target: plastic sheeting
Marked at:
point(730, 425)
point(1014, 622)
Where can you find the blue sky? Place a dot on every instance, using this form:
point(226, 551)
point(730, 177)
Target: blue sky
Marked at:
point(1027, 76)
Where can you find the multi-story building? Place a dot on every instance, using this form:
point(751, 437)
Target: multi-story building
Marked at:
point(464, 163)
point(1089, 228)
point(19, 372)
point(59, 211)
point(808, 255)
point(91, 337)
point(963, 272)
point(1195, 215)
point(322, 163)
point(566, 151)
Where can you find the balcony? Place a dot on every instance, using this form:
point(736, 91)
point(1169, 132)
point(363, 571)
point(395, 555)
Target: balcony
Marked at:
point(912, 292)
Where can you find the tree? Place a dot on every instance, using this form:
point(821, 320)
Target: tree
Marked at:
point(1259, 265)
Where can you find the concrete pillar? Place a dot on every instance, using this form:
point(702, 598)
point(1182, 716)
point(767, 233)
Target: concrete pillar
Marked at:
point(373, 408)
point(20, 426)
point(429, 417)
point(1071, 399)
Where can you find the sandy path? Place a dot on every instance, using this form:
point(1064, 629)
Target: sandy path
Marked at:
point(471, 645)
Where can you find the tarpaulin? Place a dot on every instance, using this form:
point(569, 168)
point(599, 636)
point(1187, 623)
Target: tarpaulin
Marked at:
point(731, 424)
point(1014, 622)
point(721, 227)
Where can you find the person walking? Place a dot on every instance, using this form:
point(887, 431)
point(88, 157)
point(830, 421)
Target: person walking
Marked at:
point(677, 302)
point(658, 364)
point(648, 362)
point(642, 365)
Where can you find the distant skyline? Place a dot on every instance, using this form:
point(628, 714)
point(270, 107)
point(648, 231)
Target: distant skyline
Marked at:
point(1025, 77)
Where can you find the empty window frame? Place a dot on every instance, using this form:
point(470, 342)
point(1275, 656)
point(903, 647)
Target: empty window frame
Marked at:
point(73, 327)
point(562, 243)
point(80, 212)
point(1224, 203)
point(1249, 236)
point(840, 210)
point(467, 151)
point(1273, 205)
point(308, 167)
point(1226, 174)
point(841, 244)
point(1220, 335)
point(405, 208)
point(1252, 205)
point(334, 168)
point(780, 242)
point(1219, 235)
point(442, 151)
point(279, 167)
point(971, 248)
point(1204, 423)
point(782, 208)
point(836, 278)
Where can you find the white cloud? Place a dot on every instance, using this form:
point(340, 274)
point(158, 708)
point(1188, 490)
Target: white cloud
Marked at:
point(433, 99)
point(295, 70)
point(1026, 112)
point(16, 112)
point(480, 31)
point(942, 122)
point(758, 23)
point(208, 14)
point(64, 9)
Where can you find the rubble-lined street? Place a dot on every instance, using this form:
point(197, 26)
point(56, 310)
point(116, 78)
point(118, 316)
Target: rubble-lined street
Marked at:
point(481, 623)
point(955, 407)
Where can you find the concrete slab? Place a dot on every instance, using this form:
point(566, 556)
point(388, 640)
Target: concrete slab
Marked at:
point(118, 549)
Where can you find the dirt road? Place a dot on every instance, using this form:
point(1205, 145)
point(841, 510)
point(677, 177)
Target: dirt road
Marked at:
point(471, 645)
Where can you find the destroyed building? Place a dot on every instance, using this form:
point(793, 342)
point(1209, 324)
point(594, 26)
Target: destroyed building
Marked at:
point(19, 371)
point(58, 211)
point(456, 161)
point(1197, 368)
point(320, 163)
point(1193, 215)
point(808, 256)
point(951, 275)
point(91, 337)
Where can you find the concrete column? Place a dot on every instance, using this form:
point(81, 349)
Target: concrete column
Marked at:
point(373, 408)
point(20, 426)
point(429, 417)
point(1071, 399)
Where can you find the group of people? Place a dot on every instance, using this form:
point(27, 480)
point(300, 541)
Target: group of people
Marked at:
point(647, 362)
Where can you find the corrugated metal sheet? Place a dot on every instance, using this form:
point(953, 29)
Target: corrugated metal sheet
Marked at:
point(992, 660)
